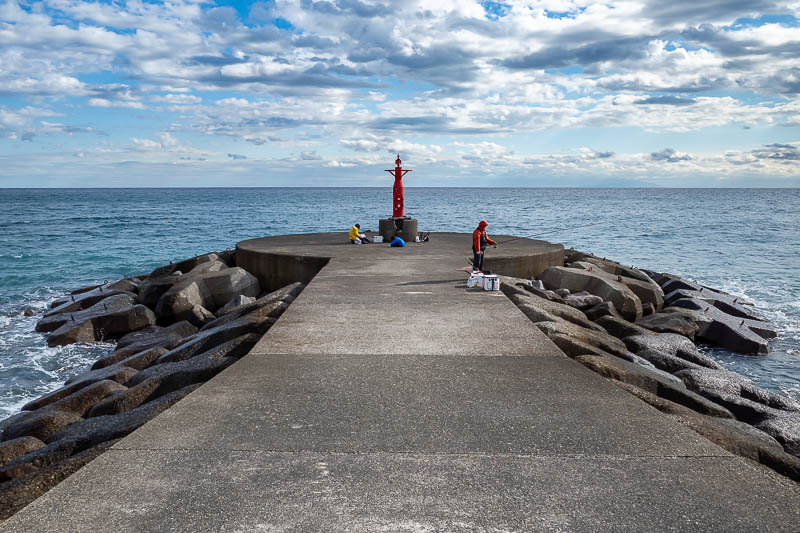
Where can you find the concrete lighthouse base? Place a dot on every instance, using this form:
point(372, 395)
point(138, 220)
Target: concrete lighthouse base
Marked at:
point(404, 227)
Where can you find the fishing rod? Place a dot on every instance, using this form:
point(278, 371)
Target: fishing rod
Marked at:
point(548, 232)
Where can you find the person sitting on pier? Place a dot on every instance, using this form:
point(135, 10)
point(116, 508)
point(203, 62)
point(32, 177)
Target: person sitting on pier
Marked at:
point(479, 241)
point(356, 237)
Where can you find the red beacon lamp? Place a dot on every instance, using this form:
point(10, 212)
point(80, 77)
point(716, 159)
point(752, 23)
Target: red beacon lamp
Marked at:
point(398, 224)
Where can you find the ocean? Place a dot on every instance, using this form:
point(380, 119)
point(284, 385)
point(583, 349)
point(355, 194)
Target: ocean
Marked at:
point(744, 241)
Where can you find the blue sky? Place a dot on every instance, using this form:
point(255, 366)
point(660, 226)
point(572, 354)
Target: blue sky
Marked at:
point(326, 92)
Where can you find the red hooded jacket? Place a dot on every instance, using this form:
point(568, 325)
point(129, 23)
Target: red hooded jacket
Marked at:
point(479, 237)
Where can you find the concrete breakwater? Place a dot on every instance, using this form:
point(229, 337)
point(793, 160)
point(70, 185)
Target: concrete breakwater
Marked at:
point(389, 396)
point(175, 327)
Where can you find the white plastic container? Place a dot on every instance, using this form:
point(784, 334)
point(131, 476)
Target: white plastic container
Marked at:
point(475, 280)
point(377, 238)
point(491, 282)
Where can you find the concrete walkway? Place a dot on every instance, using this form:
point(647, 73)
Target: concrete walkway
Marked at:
point(391, 398)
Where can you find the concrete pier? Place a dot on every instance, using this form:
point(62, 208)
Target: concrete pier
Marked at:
point(389, 397)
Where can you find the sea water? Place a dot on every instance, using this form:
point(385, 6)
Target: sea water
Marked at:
point(744, 241)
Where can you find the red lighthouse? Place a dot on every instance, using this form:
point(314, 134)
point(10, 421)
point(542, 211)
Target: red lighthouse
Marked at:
point(398, 194)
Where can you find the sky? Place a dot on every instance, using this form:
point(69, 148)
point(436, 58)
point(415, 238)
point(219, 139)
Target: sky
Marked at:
point(327, 93)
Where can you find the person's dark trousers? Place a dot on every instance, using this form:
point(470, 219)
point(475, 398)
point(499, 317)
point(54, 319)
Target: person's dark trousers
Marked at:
point(477, 261)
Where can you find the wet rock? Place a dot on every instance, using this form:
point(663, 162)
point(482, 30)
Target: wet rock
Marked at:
point(670, 323)
point(671, 344)
point(142, 360)
point(582, 300)
point(785, 428)
point(658, 383)
point(210, 290)
point(112, 303)
point(621, 328)
point(15, 448)
point(93, 431)
point(105, 326)
point(603, 341)
point(28, 312)
point(146, 339)
point(87, 300)
point(602, 309)
point(120, 374)
point(205, 340)
point(642, 286)
point(40, 424)
point(236, 301)
point(597, 283)
point(17, 493)
point(81, 401)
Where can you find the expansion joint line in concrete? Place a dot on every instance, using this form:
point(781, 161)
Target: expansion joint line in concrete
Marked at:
point(412, 453)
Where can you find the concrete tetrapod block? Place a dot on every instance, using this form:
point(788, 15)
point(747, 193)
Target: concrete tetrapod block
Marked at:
point(82, 400)
point(670, 323)
point(647, 290)
point(657, 383)
point(105, 326)
point(670, 344)
point(576, 280)
point(15, 448)
point(113, 303)
point(85, 301)
point(127, 285)
point(146, 339)
point(210, 290)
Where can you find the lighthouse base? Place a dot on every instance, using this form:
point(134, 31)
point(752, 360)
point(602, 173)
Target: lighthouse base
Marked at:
point(403, 227)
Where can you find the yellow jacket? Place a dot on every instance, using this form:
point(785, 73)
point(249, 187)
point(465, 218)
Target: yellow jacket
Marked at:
point(354, 233)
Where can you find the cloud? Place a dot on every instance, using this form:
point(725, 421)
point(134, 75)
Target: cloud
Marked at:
point(237, 156)
point(780, 152)
point(670, 156)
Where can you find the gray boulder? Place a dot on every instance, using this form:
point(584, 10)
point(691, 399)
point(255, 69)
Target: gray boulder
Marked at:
point(93, 431)
point(736, 334)
point(603, 341)
point(728, 382)
point(573, 348)
point(670, 344)
point(285, 294)
point(146, 339)
point(583, 300)
point(17, 493)
point(210, 290)
point(236, 301)
point(727, 304)
point(666, 361)
point(648, 309)
point(510, 285)
point(538, 309)
point(595, 281)
point(746, 410)
point(81, 401)
point(670, 323)
point(653, 381)
point(675, 283)
point(621, 328)
point(126, 284)
point(647, 290)
point(142, 360)
point(186, 265)
point(170, 376)
point(100, 327)
point(785, 428)
point(153, 288)
point(54, 396)
point(271, 310)
point(86, 300)
point(113, 303)
point(207, 339)
point(602, 309)
point(40, 424)
point(16, 448)
point(120, 374)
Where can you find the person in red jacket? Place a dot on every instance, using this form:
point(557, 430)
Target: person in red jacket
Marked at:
point(479, 241)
